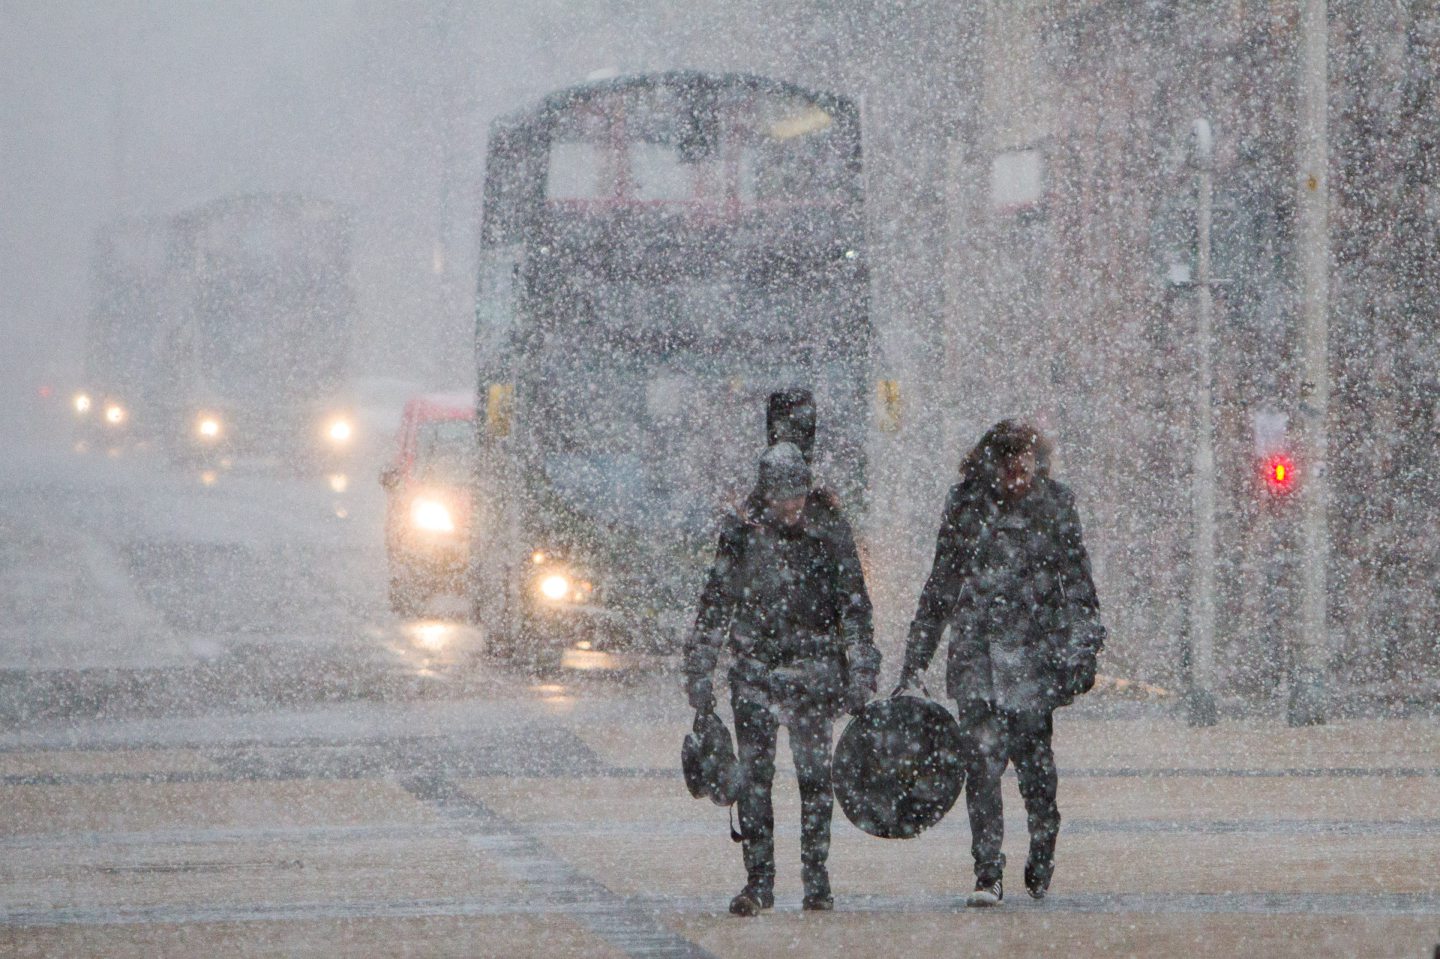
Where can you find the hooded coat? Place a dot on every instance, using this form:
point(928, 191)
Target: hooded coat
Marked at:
point(789, 600)
point(1013, 583)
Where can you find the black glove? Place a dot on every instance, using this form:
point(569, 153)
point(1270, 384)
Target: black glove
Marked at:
point(701, 693)
point(973, 712)
point(855, 699)
point(1077, 673)
point(1080, 673)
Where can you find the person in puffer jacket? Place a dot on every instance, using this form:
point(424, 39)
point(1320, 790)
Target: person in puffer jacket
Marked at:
point(1011, 580)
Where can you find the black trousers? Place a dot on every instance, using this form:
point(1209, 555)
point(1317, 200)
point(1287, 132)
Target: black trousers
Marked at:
point(757, 723)
point(999, 739)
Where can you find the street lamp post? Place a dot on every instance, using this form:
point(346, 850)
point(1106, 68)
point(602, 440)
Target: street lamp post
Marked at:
point(1201, 700)
point(1307, 687)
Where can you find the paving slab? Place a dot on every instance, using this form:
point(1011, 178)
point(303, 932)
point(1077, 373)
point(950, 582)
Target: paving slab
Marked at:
point(142, 806)
point(348, 872)
point(317, 847)
point(492, 937)
point(1006, 933)
point(93, 762)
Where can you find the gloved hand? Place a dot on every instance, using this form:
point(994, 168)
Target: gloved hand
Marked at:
point(701, 693)
point(1079, 672)
point(856, 697)
point(973, 712)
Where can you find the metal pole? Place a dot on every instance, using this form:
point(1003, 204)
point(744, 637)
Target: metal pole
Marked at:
point(1307, 690)
point(119, 194)
point(1202, 711)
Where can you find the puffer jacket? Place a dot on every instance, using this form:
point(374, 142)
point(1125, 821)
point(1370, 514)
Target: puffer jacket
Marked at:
point(1012, 582)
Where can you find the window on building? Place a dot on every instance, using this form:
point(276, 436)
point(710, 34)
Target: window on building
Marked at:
point(1017, 180)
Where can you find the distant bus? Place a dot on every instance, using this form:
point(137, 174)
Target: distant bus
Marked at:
point(259, 356)
point(659, 253)
point(121, 394)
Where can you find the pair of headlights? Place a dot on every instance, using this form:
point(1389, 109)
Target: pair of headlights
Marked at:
point(113, 414)
point(552, 582)
point(208, 427)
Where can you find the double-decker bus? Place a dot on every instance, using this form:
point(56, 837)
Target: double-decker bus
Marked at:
point(659, 253)
point(259, 358)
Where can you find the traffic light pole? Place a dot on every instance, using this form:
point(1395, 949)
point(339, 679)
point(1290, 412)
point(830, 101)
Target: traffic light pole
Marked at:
point(1201, 706)
point(1307, 687)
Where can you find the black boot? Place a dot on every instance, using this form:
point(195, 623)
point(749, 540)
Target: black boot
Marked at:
point(1037, 878)
point(750, 900)
point(817, 888)
point(759, 891)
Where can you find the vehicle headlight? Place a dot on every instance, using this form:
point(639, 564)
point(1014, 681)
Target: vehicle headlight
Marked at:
point(82, 403)
point(431, 515)
point(555, 586)
point(208, 427)
point(114, 414)
point(340, 430)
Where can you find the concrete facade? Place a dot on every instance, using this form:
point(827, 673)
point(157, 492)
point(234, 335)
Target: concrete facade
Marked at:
point(1071, 206)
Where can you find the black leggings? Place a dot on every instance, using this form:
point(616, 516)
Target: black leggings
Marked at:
point(756, 728)
point(1023, 739)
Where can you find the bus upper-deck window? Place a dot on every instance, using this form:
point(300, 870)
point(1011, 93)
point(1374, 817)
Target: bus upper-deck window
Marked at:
point(580, 163)
point(577, 171)
point(658, 172)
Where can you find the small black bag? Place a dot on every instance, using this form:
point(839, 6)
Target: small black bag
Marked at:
point(707, 757)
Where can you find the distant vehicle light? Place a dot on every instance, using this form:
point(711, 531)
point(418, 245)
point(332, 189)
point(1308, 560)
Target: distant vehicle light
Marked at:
point(208, 427)
point(537, 557)
point(433, 635)
point(431, 515)
point(555, 587)
point(340, 431)
point(82, 403)
point(114, 414)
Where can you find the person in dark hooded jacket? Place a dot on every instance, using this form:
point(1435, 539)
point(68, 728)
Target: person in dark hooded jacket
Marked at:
point(795, 616)
point(1011, 580)
point(790, 418)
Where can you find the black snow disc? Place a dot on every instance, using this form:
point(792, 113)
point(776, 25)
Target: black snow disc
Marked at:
point(899, 766)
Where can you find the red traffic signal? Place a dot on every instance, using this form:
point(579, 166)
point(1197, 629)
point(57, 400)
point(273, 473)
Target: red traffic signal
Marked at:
point(1279, 473)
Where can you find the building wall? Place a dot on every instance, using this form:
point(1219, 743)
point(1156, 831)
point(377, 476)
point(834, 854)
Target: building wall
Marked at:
point(1059, 309)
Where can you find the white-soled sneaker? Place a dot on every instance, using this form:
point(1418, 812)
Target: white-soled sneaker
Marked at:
point(986, 893)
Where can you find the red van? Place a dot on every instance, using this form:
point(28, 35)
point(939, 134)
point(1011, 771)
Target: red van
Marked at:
point(427, 516)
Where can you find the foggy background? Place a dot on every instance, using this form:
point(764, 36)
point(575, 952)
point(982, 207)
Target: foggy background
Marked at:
point(128, 109)
point(120, 110)
point(1027, 192)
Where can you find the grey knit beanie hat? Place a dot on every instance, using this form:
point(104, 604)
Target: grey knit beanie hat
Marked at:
point(784, 474)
